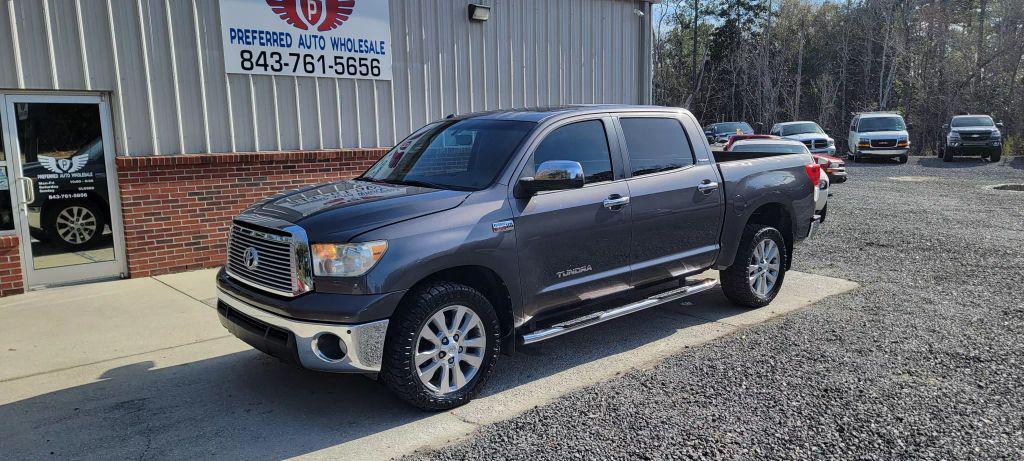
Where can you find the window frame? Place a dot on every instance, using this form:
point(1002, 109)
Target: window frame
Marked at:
point(627, 167)
point(614, 149)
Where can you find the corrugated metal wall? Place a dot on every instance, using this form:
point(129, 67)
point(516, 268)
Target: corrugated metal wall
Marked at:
point(171, 95)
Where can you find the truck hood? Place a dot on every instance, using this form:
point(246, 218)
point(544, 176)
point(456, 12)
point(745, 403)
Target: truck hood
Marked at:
point(338, 211)
point(807, 136)
point(975, 129)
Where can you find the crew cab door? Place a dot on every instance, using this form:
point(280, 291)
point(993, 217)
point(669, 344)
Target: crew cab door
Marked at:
point(573, 245)
point(676, 196)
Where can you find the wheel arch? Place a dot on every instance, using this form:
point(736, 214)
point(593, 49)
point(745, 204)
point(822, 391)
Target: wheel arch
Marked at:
point(487, 282)
point(775, 214)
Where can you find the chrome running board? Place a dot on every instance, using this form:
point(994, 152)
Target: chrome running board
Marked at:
point(603, 316)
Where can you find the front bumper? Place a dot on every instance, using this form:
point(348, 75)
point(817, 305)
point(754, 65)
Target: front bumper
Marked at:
point(975, 147)
point(831, 150)
point(296, 341)
point(887, 153)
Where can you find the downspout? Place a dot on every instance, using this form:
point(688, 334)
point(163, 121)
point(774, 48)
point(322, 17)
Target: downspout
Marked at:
point(646, 61)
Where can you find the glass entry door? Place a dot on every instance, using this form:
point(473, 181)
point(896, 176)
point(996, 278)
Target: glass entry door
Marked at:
point(61, 181)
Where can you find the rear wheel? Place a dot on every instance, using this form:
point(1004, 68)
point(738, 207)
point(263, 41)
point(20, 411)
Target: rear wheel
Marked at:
point(441, 346)
point(756, 275)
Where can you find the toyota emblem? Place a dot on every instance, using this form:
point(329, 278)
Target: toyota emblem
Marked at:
point(251, 258)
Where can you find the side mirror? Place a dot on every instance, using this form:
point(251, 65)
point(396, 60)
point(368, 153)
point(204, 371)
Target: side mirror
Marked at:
point(553, 175)
point(999, 125)
point(910, 126)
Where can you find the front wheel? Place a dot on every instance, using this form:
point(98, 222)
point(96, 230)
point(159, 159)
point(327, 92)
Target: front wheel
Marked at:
point(947, 155)
point(441, 346)
point(756, 275)
point(995, 156)
point(902, 159)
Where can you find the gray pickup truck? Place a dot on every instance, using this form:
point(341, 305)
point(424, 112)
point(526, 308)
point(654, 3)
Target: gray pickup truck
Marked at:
point(480, 233)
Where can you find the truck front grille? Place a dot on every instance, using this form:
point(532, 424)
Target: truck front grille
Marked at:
point(975, 135)
point(263, 259)
point(883, 143)
point(816, 143)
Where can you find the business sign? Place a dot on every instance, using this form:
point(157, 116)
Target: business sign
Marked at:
point(312, 38)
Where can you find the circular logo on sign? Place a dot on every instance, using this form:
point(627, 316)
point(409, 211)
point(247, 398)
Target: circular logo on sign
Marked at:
point(318, 15)
point(251, 258)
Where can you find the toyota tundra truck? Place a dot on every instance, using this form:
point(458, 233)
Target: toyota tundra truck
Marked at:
point(481, 233)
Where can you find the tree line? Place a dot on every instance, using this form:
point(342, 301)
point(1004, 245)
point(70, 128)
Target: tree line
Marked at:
point(769, 61)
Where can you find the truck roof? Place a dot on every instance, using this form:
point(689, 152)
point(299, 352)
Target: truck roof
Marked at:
point(878, 114)
point(795, 122)
point(539, 114)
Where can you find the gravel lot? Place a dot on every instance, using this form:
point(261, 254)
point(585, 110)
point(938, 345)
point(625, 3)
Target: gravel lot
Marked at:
point(925, 361)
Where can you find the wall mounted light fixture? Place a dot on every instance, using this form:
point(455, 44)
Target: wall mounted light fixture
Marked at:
point(479, 13)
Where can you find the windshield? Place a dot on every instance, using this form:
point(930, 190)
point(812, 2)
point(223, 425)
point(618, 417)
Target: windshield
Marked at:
point(453, 154)
point(787, 148)
point(881, 124)
point(800, 128)
point(974, 120)
point(731, 127)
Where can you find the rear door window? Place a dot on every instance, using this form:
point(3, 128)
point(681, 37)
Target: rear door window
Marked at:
point(655, 144)
point(583, 142)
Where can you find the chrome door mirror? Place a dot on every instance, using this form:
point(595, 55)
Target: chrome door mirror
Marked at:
point(553, 175)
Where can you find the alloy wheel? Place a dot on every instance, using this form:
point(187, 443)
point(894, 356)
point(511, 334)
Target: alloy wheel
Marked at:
point(763, 268)
point(76, 224)
point(450, 349)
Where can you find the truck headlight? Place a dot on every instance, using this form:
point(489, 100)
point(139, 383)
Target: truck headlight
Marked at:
point(953, 135)
point(997, 134)
point(347, 259)
point(831, 142)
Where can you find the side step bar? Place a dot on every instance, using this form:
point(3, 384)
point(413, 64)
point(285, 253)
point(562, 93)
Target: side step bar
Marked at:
point(603, 316)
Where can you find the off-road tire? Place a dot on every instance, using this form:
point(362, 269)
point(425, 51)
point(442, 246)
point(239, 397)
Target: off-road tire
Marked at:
point(735, 284)
point(398, 370)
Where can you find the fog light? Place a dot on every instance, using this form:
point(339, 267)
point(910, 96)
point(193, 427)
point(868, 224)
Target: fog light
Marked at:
point(329, 347)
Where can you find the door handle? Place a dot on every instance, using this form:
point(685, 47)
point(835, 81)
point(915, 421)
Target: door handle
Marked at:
point(28, 190)
point(707, 187)
point(615, 202)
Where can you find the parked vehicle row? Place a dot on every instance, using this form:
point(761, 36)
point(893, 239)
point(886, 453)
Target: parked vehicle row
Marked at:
point(483, 232)
point(879, 135)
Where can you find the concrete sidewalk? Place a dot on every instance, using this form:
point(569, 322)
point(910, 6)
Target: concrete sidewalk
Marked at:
point(142, 368)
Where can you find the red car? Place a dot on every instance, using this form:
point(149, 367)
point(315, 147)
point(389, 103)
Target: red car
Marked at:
point(834, 167)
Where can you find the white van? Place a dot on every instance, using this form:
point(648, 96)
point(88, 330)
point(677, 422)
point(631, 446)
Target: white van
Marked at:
point(878, 134)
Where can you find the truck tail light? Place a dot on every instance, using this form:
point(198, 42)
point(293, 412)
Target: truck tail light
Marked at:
point(814, 172)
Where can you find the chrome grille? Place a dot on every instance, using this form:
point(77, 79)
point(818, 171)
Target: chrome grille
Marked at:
point(815, 143)
point(883, 143)
point(975, 135)
point(269, 264)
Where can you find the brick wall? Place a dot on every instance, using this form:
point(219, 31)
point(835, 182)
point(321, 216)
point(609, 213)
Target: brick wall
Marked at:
point(11, 281)
point(177, 209)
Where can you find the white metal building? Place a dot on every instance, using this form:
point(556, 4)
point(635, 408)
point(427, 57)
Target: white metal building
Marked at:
point(162, 64)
